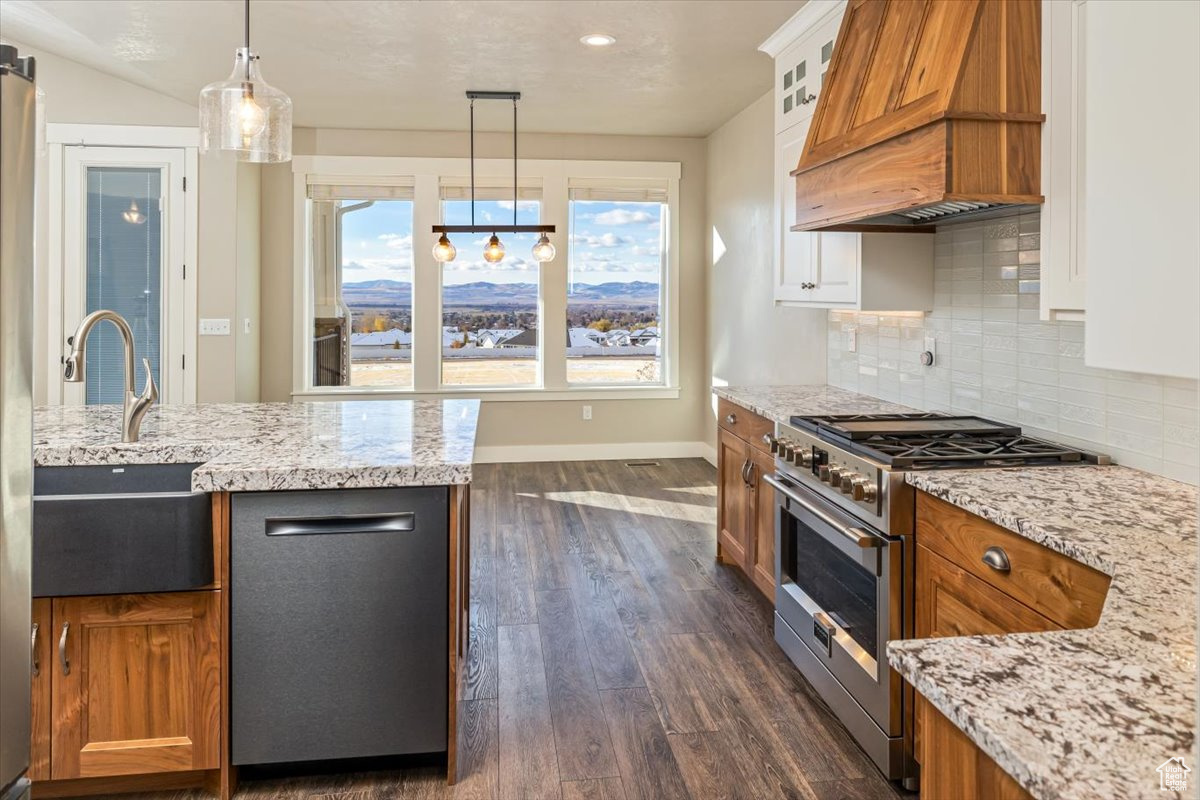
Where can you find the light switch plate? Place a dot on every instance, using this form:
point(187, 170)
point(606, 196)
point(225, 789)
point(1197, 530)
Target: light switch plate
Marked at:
point(214, 327)
point(852, 340)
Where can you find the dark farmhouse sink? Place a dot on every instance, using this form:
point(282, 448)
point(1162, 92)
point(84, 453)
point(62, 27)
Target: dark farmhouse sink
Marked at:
point(119, 530)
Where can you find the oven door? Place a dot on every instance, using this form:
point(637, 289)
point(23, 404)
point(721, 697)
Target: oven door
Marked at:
point(838, 587)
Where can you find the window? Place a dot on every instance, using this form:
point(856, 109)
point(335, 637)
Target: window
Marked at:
point(490, 311)
point(376, 313)
point(362, 247)
point(615, 285)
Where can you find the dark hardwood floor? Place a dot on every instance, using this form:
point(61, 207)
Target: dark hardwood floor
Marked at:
point(611, 657)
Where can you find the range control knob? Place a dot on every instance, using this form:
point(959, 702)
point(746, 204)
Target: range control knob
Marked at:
point(771, 442)
point(847, 482)
point(835, 475)
point(823, 472)
point(864, 489)
point(804, 458)
point(785, 449)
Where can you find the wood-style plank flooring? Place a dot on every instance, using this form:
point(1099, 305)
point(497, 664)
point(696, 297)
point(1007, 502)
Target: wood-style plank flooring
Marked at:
point(611, 658)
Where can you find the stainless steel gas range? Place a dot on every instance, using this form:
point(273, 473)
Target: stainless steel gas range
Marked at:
point(844, 551)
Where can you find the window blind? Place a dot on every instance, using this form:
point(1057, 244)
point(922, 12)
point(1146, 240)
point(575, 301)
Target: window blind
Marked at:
point(453, 188)
point(628, 190)
point(399, 190)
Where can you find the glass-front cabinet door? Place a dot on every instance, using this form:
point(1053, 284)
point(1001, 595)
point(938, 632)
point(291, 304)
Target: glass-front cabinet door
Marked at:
point(123, 251)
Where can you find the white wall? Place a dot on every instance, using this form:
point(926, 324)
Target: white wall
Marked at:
point(996, 357)
point(226, 273)
point(751, 340)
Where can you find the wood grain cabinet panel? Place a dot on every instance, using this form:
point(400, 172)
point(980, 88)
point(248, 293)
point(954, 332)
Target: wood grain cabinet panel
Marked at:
point(733, 506)
point(136, 684)
point(762, 525)
point(42, 667)
point(1068, 592)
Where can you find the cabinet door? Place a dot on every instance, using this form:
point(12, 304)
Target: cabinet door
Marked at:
point(796, 79)
point(136, 684)
point(42, 669)
point(953, 602)
point(1142, 168)
point(795, 250)
point(733, 500)
point(836, 268)
point(1063, 261)
point(762, 525)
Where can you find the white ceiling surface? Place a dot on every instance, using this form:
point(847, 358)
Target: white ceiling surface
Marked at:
point(678, 68)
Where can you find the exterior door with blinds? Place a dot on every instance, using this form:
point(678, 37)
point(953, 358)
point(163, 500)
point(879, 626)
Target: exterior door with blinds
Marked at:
point(123, 250)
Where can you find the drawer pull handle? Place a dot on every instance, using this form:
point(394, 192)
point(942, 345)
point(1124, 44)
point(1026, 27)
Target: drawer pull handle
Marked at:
point(62, 649)
point(346, 523)
point(34, 664)
point(997, 559)
point(731, 419)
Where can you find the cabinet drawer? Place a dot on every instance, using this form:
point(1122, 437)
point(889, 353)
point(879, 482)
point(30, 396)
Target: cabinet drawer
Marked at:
point(744, 424)
point(1062, 589)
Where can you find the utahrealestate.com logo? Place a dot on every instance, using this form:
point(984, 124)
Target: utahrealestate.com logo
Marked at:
point(1173, 775)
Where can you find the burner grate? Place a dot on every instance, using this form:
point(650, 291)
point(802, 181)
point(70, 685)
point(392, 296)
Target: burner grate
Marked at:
point(953, 449)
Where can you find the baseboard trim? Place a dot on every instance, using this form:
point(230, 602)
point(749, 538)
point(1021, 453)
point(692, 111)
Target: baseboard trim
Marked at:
point(516, 454)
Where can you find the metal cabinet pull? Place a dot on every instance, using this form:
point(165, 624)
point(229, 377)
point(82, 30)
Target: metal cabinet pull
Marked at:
point(745, 470)
point(62, 649)
point(731, 419)
point(997, 559)
point(34, 664)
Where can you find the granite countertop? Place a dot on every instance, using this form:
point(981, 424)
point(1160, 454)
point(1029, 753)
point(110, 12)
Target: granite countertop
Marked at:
point(780, 403)
point(1085, 713)
point(263, 447)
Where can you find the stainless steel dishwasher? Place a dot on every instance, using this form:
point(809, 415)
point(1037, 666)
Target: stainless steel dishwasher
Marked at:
point(339, 611)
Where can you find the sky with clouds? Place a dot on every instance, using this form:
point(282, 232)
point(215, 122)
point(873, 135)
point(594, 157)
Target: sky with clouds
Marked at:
point(612, 241)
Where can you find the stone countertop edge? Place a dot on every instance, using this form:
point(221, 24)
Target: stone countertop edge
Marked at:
point(1077, 713)
point(251, 447)
point(780, 403)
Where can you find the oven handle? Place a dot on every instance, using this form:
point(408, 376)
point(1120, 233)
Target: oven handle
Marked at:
point(858, 536)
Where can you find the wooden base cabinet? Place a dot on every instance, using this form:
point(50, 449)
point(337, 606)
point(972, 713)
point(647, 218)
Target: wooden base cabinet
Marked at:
point(745, 503)
point(126, 685)
point(974, 577)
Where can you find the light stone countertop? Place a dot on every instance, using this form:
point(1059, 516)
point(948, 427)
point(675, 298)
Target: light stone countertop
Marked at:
point(262, 447)
point(1084, 713)
point(780, 403)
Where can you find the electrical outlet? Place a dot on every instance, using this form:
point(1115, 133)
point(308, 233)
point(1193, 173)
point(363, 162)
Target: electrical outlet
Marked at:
point(587, 412)
point(214, 327)
point(929, 354)
point(246, 325)
point(852, 340)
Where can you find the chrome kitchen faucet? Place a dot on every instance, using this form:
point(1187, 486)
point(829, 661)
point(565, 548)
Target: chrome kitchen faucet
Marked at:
point(135, 405)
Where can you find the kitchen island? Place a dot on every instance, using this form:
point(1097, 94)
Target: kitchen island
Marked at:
point(388, 473)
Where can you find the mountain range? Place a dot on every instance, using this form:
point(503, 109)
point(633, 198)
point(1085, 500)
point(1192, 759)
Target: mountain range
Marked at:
point(482, 294)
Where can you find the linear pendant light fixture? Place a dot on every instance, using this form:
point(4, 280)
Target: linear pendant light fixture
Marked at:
point(493, 253)
point(245, 115)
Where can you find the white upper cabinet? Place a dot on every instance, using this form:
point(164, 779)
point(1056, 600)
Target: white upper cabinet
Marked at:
point(801, 65)
point(1142, 167)
point(867, 272)
point(1063, 264)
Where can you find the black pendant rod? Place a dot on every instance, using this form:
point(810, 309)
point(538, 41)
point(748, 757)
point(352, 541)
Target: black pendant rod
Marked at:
point(247, 39)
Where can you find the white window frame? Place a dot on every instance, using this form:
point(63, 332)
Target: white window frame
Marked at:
point(425, 174)
point(60, 138)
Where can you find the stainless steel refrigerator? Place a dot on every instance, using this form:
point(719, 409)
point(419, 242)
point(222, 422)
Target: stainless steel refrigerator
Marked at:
point(17, 146)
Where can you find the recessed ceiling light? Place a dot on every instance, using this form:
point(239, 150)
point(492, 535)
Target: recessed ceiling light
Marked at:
point(597, 40)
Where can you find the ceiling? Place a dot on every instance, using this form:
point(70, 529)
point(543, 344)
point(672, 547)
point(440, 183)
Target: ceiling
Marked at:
point(678, 68)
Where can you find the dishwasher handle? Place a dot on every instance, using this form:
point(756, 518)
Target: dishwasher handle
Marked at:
point(342, 523)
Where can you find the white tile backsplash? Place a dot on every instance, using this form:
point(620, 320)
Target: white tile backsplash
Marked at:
point(997, 358)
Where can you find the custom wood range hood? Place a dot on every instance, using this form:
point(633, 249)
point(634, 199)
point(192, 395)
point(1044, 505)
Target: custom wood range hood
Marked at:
point(931, 110)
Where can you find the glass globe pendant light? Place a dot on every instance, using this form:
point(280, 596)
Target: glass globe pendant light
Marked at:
point(245, 115)
point(543, 251)
point(444, 250)
point(494, 252)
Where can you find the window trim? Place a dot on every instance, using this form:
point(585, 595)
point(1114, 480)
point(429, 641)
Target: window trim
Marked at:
point(424, 174)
